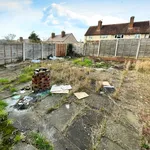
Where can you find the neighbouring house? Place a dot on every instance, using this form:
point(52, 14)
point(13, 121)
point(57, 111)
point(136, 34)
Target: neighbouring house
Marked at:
point(63, 38)
point(131, 30)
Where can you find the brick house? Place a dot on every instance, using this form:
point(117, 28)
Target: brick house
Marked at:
point(63, 38)
point(131, 30)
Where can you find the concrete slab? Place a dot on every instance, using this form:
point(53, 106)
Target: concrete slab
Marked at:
point(59, 141)
point(99, 102)
point(107, 144)
point(62, 116)
point(122, 135)
point(23, 146)
point(80, 132)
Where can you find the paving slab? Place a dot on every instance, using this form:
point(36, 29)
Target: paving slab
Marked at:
point(107, 144)
point(23, 146)
point(99, 102)
point(59, 141)
point(120, 134)
point(61, 117)
point(80, 132)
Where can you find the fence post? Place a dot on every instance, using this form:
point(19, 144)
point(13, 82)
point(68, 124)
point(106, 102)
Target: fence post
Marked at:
point(116, 49)
point(138, 48)
point(42, 49)
point(24, 52)
point(99, 47)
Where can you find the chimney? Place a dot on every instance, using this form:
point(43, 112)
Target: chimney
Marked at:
point(21, 39)
point(99, 25)
point(53, 35)
point(131, 23)
point(62, 33)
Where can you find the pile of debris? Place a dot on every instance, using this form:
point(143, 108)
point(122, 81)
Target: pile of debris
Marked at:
point(41, 80)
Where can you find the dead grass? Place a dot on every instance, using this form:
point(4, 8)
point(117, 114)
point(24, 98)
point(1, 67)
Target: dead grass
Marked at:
point(142, 66)
point(65, 73)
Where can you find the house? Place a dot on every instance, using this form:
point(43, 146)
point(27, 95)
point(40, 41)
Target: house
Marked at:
point(63, 38)
point(131, 30)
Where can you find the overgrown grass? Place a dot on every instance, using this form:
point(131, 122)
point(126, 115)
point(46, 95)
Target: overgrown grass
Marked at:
point(102, 65)
point(142, 66)
point(40, 142)
point(4, 80)
point(27, 73)
point(83, 62)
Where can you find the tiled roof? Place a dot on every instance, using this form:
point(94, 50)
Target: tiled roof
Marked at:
point(113, 29)
point(59, 38)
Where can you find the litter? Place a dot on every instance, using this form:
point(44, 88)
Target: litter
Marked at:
point(60, 88)
point(107, 88)
point(16, 97)
point(105, 83)
point(81, 95)
point(35, 61)
point(54, 58)
point(67, 106)
point(22, 91)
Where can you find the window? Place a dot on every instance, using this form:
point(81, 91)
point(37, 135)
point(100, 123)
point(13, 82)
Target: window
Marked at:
point(137, 36)
point(90, 37)
point(103, 36)
point(119, 36)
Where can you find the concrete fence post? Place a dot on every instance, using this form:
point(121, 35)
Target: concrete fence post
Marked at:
point(116, 48)
point(42, 50)
point(138, 49)
point(99, 45)
point(24, 52)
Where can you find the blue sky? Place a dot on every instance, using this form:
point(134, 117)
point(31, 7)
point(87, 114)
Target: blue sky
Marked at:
point(21, 17)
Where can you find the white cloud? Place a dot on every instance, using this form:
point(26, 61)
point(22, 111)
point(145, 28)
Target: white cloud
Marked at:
point(61, 11)
point(10, 5)
point(18, 17)
point(60, 18)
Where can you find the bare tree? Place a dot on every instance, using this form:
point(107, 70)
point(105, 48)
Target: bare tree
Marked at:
point(10, 37)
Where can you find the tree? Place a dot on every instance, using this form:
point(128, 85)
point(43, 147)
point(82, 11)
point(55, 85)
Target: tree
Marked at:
point(10, 37)
point(34, 37)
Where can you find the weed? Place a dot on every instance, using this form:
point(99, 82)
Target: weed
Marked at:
point(144, 145)
point(142, 66)
point(4, 80)
point(18, 138)
point(40, 142)
point(27, 73)
point(23, 78)
point(13, 89)
point(116, 93)
point(3, 105)
point(102, 65)
point(83, 62)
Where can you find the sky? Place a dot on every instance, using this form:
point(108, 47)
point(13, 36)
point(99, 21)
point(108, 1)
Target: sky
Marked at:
point(21, 17)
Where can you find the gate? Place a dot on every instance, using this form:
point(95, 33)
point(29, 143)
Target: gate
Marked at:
point(61, 50)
